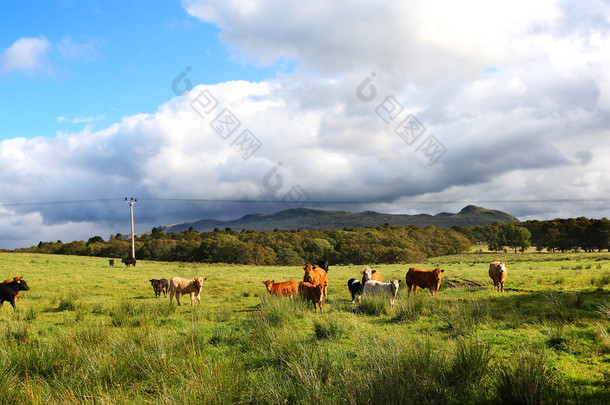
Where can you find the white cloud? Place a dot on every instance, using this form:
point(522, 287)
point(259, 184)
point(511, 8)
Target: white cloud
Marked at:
point(517, 93)
point(80, 119)
point(85, 51)
point(25, 54)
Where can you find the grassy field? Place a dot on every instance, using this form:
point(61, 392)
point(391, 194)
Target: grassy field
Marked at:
point(88, 333)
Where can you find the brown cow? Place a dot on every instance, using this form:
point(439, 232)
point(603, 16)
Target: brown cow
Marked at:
point(498, 272)
point(16, 278)
point(370, 274)
point(315, 276)
point(159, 286)
point(178, 286)
point(425, 279)
point(313, 293)
point(282, 289)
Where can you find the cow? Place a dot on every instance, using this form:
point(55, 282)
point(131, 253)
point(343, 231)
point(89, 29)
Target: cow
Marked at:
point(8, 291)
point(323, 264)
point(315, 276)
point(16, 278)
point(355, 288)
point(379, 287)
point(159, 286)
point(313, 293)
point(498, 272)
point(282, 289)
point(425, 279)
point(129, 260)
point(111, 262)
point(181, 286)
point(370, 274)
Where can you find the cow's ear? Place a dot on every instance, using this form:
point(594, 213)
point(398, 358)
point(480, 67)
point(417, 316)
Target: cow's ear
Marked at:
point(362, 272)
point(442, 270)
point(205, 278)
point(273, 281)
point(373, 271)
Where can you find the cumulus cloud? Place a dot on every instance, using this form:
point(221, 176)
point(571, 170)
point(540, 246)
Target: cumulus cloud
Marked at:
point(392, 106)
point(25, 54)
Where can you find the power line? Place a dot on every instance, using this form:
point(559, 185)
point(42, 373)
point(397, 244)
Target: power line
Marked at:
point(321, 202)
point(56, 202)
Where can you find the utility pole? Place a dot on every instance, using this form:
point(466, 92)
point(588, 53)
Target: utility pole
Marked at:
point(131, 202)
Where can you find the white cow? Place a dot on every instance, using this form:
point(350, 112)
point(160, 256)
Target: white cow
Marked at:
point(379, 287)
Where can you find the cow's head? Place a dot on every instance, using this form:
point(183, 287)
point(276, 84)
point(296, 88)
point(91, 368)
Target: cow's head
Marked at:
point(268, 283)
point(199, 282)
point(502, 267)
point(152, 282)
point(320, 289)
point(437, 273)
point(367, 274)
point(23, 286)
point(308, 277)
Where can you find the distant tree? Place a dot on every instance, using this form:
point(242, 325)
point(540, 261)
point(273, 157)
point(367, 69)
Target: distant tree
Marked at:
point(95, 239)
point(517, 237)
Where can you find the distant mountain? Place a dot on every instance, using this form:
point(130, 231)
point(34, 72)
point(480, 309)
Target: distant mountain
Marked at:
point(310, 219)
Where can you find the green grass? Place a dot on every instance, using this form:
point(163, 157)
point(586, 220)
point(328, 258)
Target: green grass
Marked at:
point(88, 333)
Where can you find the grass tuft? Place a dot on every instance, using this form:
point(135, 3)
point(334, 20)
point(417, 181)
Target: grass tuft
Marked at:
point(529, 380)
point(328, 329)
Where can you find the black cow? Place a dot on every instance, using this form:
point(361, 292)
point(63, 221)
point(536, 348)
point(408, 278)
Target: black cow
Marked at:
point(323, 264)
point(129, 260)
point(160, 286)
point(356, 288)
point(8, 291)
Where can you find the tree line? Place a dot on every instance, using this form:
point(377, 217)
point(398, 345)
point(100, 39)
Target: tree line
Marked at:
point(380, 244)
point(552, 235)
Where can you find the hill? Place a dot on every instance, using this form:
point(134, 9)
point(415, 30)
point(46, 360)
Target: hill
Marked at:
point(310, 219)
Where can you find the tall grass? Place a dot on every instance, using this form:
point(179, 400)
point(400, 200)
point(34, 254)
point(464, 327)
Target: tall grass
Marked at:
point(242, 346)
point(529, 380)
point(423, 371)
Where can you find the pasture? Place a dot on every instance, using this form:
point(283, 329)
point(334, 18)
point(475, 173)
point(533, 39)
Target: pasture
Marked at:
point(89, 333)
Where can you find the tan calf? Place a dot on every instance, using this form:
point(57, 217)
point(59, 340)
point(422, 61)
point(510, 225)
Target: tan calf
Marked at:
point(181, 286)
point(498, 272)
point(282, 289)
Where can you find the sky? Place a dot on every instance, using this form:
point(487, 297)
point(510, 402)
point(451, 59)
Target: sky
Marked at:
point(216, 109)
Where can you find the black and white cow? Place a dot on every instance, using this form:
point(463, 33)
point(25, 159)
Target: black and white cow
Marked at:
point(356, 288)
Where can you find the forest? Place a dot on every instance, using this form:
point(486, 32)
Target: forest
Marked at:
point(386, 244)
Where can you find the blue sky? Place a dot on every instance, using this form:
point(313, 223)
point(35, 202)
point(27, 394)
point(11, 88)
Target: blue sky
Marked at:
point(400, 107)
point(105, 60)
